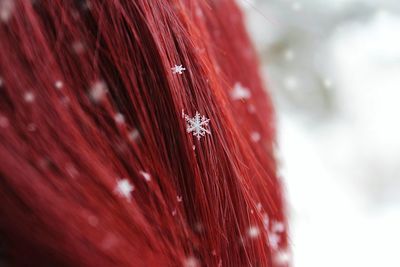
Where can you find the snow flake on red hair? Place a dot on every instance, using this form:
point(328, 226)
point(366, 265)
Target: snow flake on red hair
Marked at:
point(197, 125)
point(178, 69)
point(124, 188)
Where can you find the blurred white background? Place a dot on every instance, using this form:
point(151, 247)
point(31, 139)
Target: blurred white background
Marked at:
point(333, 69)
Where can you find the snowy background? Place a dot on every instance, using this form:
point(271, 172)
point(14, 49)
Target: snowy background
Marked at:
point(333, 69)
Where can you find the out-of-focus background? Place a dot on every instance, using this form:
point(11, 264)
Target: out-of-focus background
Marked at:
point(333, 69)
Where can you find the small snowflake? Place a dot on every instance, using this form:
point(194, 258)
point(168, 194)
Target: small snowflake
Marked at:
point(133, 135)
point(98, 91)
point(273, 240)
point(124, 188)
point(178, 69)
point(278, 227)
point(191, 262)
point(58, 85)
point(4, 122)
point(119, 118)
point(29, 97)
point(197, 125)
point(146, 176)
point(240, 92)
point(255, 137)
point(7, 8)
point(253, 231)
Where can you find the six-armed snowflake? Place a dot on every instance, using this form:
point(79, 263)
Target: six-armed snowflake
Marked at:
point(178, 69)
point(197, 124)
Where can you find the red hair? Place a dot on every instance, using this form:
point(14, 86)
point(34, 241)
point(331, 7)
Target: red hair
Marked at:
point(98, 167)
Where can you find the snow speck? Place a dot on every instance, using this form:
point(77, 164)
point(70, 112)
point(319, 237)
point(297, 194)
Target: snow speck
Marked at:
point(29, 97)
point(98, 91)
point(7, 8)
point(133, 135)
point(278, 227)
point(146, 176)
point(59, 85)
point(78, 47)
point(255, 137)
point(124, 188)
point(239, 92)
point(191, 262)
point(253, 231)
point(119, 118)
point(178, 69)
point(273, 240)
point(4, 122)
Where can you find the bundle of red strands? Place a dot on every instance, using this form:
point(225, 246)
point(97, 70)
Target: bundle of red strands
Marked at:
point(135, 133)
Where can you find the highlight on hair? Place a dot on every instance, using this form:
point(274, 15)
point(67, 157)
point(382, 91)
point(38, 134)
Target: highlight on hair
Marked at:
point(103, 161)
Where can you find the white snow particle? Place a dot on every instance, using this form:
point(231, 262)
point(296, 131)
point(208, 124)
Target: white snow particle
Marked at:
point(133, 135)
point(58, 84)
point(71, 170)
point(29, 97)
point(178, 69)
point(253, 231)
point(197, 125)
point(124, 188)
point(119, 118)
point(78, 47)
point(266, 221)
point(282, 257)
point(179, 198)
point(174, 212)
point(191, 262)
point(273, 240)
point(146, 176)
point(240, 92)
point(97, 91)
point(255, 137)
point(7, 8)
point(4, 122)
point(278, 227)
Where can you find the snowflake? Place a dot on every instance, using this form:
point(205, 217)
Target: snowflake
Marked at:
point(253, 231)
point(178, 69)
point(240, 92)
point(29, 97)
point(124, 188)
point(146, 176)
point(197, 125)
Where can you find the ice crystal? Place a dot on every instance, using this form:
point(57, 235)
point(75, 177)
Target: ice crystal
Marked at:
point(253, 231)
point(124, 188)
point(197, 125)
point(178, 69)
point(146, 176)
point(240, 92)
